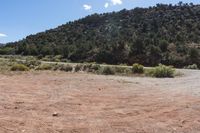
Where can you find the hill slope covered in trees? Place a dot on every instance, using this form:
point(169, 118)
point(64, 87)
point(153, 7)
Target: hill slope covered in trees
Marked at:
point(168, 34)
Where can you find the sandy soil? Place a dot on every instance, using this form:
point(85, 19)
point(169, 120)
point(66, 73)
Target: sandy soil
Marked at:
point(55, 102)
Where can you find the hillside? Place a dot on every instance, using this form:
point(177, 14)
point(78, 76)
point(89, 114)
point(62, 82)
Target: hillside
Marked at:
point(168, 34)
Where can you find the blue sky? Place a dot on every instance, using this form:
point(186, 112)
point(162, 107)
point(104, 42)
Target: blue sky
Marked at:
point(20, 18)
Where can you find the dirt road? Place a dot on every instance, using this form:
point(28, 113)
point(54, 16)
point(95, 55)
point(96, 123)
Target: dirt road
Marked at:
point(57, 102)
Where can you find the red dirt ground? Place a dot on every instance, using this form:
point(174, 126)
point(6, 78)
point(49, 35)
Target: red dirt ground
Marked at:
point(86, 103)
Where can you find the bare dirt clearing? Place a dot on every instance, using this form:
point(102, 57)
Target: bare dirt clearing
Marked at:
point(55, 102)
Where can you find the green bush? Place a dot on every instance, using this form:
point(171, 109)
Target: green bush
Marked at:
point(87, 67)
point(44, 67)
point(45, 58)
point(19, 67)
point(91, 67)
point(32, 62)
point(66, 68)
point(108, 71)
point(78, 67)
point(12, 59)
point(122, 64)
point(95, 67)
point(161, 71)
point(56, 67)
point(194, 66)
point(128, 71)
point(120, 69)
point(57, 58)
point(48, 58)
point(137, 68)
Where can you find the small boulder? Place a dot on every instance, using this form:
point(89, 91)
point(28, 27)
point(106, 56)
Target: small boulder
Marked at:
point(55, 114)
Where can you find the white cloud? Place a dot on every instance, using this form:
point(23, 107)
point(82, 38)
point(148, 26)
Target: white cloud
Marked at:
point(87, 7)
point(116, 2)
point(3, 35)
point(106, 5)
